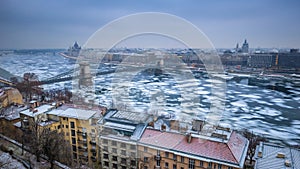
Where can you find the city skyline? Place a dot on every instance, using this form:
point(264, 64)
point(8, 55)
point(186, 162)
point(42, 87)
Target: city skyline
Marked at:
point(53, 24)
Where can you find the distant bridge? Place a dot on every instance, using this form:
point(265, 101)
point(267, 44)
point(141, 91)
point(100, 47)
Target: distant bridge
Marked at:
point(66, 76)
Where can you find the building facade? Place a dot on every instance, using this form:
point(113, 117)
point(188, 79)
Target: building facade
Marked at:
point(171, 150)
point(78, 126)
point(119, 132)
point(10, 96)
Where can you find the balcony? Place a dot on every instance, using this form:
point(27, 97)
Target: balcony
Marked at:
point(158, 157)
point(82, 149)
point(83, 141)
point(93, 143)
point(94, 159)
point(84, 156)
point(92, 134)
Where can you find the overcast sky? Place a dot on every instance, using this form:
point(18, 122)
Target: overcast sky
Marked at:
point(58, 23)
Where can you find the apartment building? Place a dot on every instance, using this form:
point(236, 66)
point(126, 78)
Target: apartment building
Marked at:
point(172, 150)
point(119, 132)
point(78, 125)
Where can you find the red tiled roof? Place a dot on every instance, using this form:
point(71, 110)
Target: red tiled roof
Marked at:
point(231, 151)
point(161, 139)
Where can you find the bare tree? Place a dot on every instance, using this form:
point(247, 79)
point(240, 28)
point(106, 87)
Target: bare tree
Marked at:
point(253, 142)
point(54, 146)
point(50, 143)
point(36, 134)
point(29, 85)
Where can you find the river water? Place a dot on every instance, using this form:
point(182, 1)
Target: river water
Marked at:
point(271, 113)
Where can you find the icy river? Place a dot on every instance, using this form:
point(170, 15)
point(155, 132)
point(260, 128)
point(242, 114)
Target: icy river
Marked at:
point(272, 113)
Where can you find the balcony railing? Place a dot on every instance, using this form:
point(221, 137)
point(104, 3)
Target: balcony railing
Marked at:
point(94, 159)
point(93, 142)
point(92, 134)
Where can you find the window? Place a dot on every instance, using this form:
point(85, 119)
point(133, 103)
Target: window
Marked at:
point(181, 168)
point(123, 160)
point(72, 124)
point(132, 147)
point(174, 166)
point(58, 127)
point(230, 168)
point(201, 163)
point(64, 118)
point(191, 163)
point(73, 140)
point(93, 130)
point(67, 133)
point(124, 167)
point(174, 157)
point(114, 143)
point(106, 163)
point(167, 154)
point(158, 163)
point(146, 159)
point(123, 152)
point(73, 132)
point(123, 145)
point(74, 156)
point(145, 167)
point(182, 159)
point(74, 148)
point(219, 166)
point(145, 149)
point(114, 150)
point(132, 162)
point(105, 141)
point(166, 165)
point(209, 165)
point(115, 166)
point(115, 158)
point(105, 156)
point(105, 148)
point(63, 126)
point(67, 126)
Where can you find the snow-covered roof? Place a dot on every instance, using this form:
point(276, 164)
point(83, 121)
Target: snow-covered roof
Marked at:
point(77, 113)
point(38, 110)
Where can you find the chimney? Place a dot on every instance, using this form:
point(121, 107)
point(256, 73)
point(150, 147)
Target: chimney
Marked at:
point(189, 137)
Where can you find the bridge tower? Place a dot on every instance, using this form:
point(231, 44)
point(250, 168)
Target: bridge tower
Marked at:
point(85, 77)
